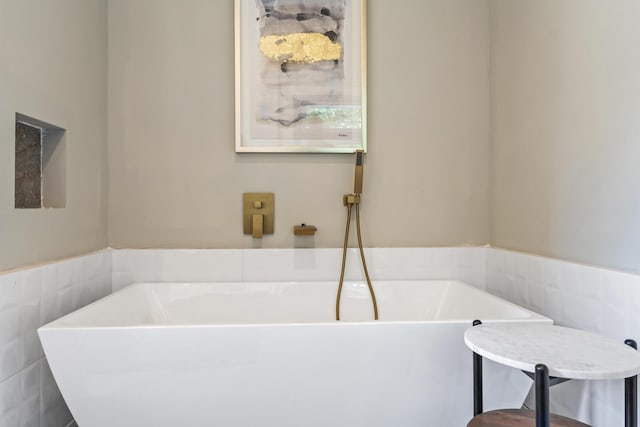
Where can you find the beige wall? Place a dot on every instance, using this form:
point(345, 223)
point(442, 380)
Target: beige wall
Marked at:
point(175, 180)
point(563, 119)
point(566, 129)
point(564, 104)
point(53, 67)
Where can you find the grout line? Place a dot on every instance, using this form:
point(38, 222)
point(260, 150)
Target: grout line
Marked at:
point(22, 370)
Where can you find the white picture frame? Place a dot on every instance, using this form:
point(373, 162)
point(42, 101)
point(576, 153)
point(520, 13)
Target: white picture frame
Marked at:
point(300, 76)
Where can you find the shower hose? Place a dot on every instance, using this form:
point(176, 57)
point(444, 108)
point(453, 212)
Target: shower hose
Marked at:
point(364, 263)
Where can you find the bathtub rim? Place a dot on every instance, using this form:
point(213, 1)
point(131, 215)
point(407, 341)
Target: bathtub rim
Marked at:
point(56, 324)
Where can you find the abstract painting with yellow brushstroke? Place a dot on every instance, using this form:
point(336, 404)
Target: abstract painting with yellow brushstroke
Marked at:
point(301, 78)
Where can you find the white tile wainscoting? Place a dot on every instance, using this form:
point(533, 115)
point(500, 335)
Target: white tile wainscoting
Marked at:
point(265, 265)
point(30, 298)
point(575, 295)
point(580, 296)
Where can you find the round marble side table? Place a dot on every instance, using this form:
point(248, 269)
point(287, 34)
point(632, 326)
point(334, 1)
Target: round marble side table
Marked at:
point(566, 352)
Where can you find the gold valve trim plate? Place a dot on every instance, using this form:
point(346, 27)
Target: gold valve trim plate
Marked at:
point(258, 208)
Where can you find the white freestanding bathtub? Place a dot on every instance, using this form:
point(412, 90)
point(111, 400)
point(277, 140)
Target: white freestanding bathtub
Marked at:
point(271, 355)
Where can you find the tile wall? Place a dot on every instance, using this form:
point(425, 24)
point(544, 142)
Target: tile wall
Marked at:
point(254, 265)
point(574, 295)
point(30, 298)
point(580, 296)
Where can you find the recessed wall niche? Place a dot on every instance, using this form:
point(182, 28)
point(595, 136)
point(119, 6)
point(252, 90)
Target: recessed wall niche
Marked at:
point(41, 164)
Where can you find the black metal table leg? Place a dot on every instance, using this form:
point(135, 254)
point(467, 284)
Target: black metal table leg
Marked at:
point(477, 379)
point(543, 415)
point(477, 384)
point(631, 395)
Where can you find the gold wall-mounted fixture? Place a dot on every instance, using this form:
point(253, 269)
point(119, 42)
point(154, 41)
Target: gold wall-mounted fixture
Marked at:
point(357, 182)
point(351, 199)
point(258, 213)
point(304, 230)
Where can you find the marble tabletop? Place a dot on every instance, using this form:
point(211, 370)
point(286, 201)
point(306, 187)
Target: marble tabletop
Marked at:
point(568, 353)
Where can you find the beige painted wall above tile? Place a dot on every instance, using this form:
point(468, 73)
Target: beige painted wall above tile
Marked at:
point(565, 130)
point(175, 180)
point(53, 67)
point(490, 121)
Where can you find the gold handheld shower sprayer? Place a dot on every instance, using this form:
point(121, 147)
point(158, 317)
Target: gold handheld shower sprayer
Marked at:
point(357, 181)
point(349, 201)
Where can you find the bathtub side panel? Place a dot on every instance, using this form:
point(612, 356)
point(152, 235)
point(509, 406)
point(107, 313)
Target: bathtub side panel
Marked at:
point(319, 375)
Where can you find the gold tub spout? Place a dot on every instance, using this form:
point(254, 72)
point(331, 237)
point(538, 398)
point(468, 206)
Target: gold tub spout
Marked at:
point(304, 230)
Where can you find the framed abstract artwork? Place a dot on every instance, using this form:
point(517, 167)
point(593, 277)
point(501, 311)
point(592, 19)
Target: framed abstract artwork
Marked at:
point(300, 76)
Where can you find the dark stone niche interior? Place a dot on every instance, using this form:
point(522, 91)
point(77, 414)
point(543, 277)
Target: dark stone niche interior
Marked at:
point(28, 179)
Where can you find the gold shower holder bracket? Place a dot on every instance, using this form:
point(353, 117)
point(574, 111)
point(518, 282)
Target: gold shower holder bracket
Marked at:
point(258, 212)
point(351, 199)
